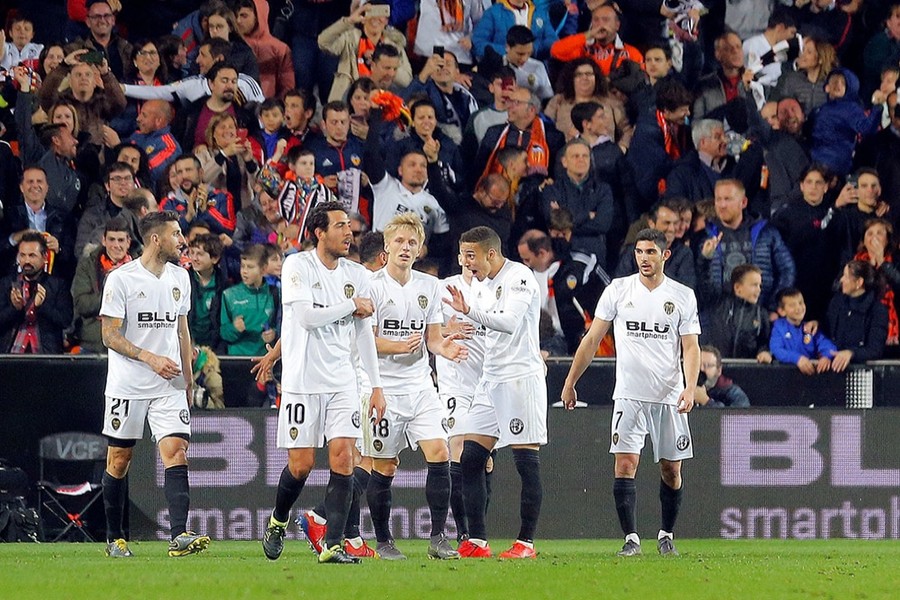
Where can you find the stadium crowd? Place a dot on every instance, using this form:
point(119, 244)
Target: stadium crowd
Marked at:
point(760, 136)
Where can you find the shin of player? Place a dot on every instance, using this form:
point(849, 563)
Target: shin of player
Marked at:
point(655, 322)
point(144, 309)
point(509, 407)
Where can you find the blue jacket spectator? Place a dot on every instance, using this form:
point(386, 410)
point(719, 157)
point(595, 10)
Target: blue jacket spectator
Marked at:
point(789, 343)
point(496, 21)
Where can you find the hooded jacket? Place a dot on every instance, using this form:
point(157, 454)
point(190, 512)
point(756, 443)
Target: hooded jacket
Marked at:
point(858, 324)
point(276, 71)
point(739, 329)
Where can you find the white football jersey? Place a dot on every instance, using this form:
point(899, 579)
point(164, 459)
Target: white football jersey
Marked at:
point(509, 305)
point(391, 199)
point(648, 326)
point(362, 378)
point(150, 307)
point(318, 360)
point(460, 378)
point(400, 311)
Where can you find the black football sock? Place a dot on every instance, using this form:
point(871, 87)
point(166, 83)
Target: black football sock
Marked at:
point(380, 498)
point(360, 482)
point(178, 495)
point(456, 500)
point(528, 464)
point(624, 493)
point(474, 458)
point(437, 493)
point(670, 503)
point(337, 505)
point(289, 490)
point(488, 481)
point(113, 505)
point(321, 510)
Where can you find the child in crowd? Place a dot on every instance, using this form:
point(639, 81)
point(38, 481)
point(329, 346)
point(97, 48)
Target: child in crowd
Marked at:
point(208, 282)
point(250, 308)
point(791, 344)
point(265, 143)
point(740, 325)
point(20, 50)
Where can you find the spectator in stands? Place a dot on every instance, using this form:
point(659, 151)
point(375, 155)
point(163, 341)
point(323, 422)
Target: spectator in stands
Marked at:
point(226, 159)
point(51, 57)
point(657, 67)
point(582, 81)
point(173, 54)
point(883, 48)
point(196, 201)
point(732, 239)
point(276, 71)
point(453, 103)
point(659, 141)
point(728, 83)
point(589, 201)
point(841, 120)
point(714, 390)
point(191, 122)
point(877, 248)
point(488, 206)
point(34, 214)
point(530, 72)
point(803, 224)
point(101, 22)
point(337, 152)
point(769, 49)
point(359, 104)
point(491, 28)
point(265, 224)
point(857, 322)
point(601, 42)
point(134, 157)
point(20, 48)
point(249, 308)
point(30, 147)
point(353, 40)
point(299, 108)
point(785, 154)
point(694, 177)
point(680, 264)
point(880, 153)
point(859, 200)
point(118, 182)
point(791, 343)
point(447, 24)
point(270, 141)
point(222, 24)
point(501, 84)
point(155, 137)
point(807, 82)
point(385, 72)
point(425, 127)
point(740, 325)
point(208, 284)
point(35, 306)
point(90, 275)
point(137, 204)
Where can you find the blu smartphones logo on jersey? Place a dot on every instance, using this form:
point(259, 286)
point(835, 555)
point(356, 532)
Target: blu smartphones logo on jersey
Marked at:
point(644, 330)
point(156, 320)
point(395, 325)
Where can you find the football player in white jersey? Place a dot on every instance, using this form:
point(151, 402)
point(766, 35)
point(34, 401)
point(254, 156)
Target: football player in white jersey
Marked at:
point(326, 300)
point(456, 387)
point(510, 403)
point(144, 325)
point(655, 324)
point(408, 322)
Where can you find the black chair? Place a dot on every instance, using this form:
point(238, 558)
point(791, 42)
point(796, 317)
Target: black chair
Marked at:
point(71, 475)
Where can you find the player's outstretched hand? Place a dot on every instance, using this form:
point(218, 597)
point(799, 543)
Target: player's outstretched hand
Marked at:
point(454, 326)
point(453, 351)
point(413, 343)
point(377, 404)
point(262, 365)
point(456, 301)
point(364, 308)
point(163, 366)
point(686, 401)
point(569, 396)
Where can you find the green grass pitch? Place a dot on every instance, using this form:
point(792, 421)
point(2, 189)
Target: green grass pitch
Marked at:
point(563, 570)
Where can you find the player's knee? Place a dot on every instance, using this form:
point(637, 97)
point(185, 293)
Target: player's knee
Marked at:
point(340, 459)
point(386, 466)
point(626, 466)
point(671, 474)
point(301, 465)
point(436, 451)
point(117, 463)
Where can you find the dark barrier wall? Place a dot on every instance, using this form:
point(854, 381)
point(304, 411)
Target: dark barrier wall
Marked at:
point(795, 474)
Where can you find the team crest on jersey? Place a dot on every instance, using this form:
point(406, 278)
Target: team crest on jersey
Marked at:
point(669, 307)
point(295, 279)
point(185, 416)
point(349, 289)
point(355, 419)
point(423, 302)
point(116, 423)
point(176, 293)
point(451, 422)
point(516, 426)
point(108, 295)
point(378, 445)
point(445, 423)
point(293, 433)
point(615, 438)
point(499, 291)
point(682, 442)
point(355, 160)
point(571, 282)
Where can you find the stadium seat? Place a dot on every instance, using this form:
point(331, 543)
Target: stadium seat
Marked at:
point(71, 471)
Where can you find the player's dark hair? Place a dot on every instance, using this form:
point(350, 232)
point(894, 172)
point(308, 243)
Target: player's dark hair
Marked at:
point(741, 271)
point(584, 111)
point(209, 243)
point(371, 244)
point(33, 235)
point(485, 237)
point(426, 265)
point(153, 221)
point(519, 35)
point(652, 235)
point(255, 253)
point(117, 223)
point(384, 50)
point(785, 293)
point(318, 218)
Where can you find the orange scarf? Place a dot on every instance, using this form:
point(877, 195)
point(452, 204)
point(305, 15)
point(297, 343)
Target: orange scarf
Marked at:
point(365, 47)
point(538, 151)
point(887, 298)
point(451, 12)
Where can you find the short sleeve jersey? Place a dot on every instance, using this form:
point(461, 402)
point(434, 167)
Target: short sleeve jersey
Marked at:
point(149, 307)
point(510, 356)
point(400, 311)
point(318, 360)
point(391, 198)
point(648, 326)
point(461, 377)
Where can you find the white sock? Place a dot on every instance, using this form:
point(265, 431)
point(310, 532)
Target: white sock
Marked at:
point(633, 537)
point(526, 544)
point(479, 543)
point(315, 517)
point(663, 534)
point(356, 542)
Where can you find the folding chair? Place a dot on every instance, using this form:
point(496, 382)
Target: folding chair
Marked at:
point(71, 472)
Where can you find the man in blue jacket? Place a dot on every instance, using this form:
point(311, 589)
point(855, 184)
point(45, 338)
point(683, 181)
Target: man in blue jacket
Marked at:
point(492, 27)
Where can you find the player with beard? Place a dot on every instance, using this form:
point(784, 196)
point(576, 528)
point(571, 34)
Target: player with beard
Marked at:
point(656, 323)
point(145, 327)
point(326, 301)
